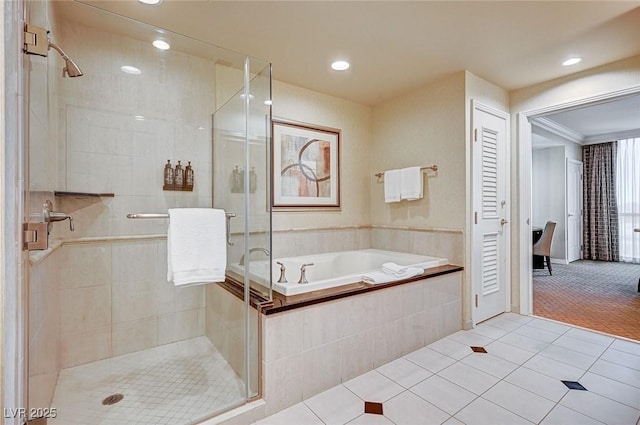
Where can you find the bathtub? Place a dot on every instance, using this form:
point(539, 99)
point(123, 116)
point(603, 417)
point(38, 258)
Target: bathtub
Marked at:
point(331, 269)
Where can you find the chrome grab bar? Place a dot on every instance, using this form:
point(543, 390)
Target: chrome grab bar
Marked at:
point(147, 215)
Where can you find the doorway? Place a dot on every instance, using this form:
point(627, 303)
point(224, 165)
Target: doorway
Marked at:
point(588, 278)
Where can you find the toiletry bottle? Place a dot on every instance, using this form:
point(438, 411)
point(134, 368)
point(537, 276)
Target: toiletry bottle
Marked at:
point(188, 178)
point(179, 177)
point(168, 176)
point(253, 180)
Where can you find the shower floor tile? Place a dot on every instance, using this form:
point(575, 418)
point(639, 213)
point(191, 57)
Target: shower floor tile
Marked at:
point(177, 383)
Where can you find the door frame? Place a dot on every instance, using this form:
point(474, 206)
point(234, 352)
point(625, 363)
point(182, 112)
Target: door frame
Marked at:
point(523, 142)
point(507, 229)
point(566, 207)
point(13, 189)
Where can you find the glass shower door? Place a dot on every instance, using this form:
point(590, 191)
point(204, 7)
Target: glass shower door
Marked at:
point(241, 180)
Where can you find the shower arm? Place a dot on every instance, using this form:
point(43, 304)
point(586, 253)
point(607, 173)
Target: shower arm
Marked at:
point(65, 57)
point(58, 49)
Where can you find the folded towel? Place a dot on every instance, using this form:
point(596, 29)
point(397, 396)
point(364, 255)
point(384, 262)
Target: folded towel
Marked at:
point(196, 246)
point(376, 277)
point(393, 268)
point(411, 183)
point(392, 186)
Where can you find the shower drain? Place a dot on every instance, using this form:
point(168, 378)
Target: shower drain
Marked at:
point(112, 399)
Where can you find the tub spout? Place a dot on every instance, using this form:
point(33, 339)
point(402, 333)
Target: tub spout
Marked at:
point(252, 250)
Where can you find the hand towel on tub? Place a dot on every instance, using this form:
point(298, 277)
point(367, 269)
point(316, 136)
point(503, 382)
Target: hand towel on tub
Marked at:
point(392, 186)
point(380, 276)
point(411, 183)
point(196, 246)
point(393, 268)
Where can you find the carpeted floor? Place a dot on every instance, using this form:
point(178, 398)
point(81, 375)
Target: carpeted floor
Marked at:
point(597, 295)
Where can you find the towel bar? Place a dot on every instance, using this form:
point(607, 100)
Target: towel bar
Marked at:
point(147, 215)
point(430, 167)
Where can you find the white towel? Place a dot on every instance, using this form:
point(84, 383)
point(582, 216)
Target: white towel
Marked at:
point(196, 246)
point(393, 268)
point(411, 183)
point(376, 277)
point(392, 186)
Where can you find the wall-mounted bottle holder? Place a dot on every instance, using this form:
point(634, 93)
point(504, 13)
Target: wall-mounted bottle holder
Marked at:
point(178, 178)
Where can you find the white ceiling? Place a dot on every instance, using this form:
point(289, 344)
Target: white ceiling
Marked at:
point(397, 46)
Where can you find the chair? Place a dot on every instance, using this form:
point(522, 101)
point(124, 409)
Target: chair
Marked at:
point(543, 246)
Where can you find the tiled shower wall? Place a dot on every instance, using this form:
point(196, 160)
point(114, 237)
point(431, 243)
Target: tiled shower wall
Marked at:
point(94, 300)
point(116, 131)
point(44, 329)
point(115, 299)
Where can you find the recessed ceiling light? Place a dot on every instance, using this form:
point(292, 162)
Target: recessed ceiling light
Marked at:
point(139, 117)
point(151, 2)
point(572, 61)
point(130, 70)
point(340, 65)
point(161, 44)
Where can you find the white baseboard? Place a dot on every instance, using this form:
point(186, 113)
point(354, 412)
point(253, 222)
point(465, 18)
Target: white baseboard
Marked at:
point(559, 261)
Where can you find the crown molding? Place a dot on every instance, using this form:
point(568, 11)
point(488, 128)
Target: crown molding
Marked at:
point(559, 130)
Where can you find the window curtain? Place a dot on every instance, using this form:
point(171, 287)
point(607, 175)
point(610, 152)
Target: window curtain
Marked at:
point(600, 234)
point(628, 194)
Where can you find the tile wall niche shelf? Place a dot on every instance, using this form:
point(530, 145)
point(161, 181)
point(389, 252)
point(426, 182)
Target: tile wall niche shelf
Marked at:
point(84, 194)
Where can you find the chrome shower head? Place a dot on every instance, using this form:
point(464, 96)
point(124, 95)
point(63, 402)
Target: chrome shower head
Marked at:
point(70, 67)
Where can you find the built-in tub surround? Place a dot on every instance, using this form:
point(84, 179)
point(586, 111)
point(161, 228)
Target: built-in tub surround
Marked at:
point(309, 349)
point(297, 275)
point(444, 243)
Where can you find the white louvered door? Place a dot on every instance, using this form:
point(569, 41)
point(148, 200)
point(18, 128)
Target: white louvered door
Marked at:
point(490, 234)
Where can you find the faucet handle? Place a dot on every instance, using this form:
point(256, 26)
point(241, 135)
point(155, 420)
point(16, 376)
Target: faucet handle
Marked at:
point(50, 216)
point(303, 269)
point(282, 278)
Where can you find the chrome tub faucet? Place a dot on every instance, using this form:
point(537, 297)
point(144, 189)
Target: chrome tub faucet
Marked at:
point(252, 250)
point(303, 269)
point(282, 278)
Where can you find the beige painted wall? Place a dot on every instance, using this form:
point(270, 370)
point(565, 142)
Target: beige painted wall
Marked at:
point(432, 126)
point(422, 128)
point(614, 77)
point(354, 121)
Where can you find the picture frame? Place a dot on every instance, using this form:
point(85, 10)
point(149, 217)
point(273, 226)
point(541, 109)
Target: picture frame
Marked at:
point(306, 166)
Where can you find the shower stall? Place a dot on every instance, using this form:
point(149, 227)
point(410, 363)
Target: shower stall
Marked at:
point(109, 340)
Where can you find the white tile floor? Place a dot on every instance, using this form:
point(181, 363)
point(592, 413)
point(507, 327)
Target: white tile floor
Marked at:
point(171, 384)
point(518, 381)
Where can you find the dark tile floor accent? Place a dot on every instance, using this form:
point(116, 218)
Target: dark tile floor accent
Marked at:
point(574, 385)
point(478, 349)
point(598, 295)
point(373, 407)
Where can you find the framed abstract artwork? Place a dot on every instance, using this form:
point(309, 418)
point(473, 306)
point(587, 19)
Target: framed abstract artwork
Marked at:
point(306, 166)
